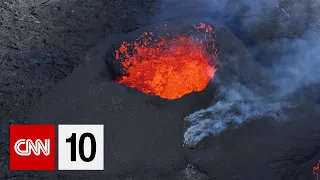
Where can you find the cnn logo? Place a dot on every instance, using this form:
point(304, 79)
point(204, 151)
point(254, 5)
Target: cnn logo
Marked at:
point(32, 147)
point(36, 147)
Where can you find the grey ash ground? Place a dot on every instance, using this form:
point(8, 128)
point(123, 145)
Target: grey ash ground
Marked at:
point(44, 41)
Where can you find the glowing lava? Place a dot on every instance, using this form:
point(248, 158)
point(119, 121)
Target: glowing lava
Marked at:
point(169, 68)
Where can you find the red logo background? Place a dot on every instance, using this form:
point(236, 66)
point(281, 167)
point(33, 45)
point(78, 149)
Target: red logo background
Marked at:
point(32, 162)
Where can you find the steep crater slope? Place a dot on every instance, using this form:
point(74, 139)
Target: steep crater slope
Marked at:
point(136, 123)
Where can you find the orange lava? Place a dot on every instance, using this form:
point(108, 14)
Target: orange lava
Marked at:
point(169, 68)
point(316, 170)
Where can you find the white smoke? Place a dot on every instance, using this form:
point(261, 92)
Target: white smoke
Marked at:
point(248, 12)
point(238, 105)
point(297, 66)
point(295, 63)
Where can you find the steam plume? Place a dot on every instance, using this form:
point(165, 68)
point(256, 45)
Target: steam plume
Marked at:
point(281, 35)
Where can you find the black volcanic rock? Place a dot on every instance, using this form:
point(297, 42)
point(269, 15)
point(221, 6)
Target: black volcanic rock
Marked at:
point(143, 133)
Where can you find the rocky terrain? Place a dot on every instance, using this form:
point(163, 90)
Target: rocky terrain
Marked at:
point(44, 41)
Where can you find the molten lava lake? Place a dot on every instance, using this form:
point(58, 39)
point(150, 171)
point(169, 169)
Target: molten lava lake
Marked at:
point(169, 67)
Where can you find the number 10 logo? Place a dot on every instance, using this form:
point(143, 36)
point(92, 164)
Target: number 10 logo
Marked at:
point(80, 147)
point(73, 141)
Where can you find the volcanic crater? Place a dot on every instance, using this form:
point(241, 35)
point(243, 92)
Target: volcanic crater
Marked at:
point(167, 63)
point(143, 131)
point(168, 67)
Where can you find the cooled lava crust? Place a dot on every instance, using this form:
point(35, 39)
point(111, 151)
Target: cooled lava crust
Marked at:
point(143, 133)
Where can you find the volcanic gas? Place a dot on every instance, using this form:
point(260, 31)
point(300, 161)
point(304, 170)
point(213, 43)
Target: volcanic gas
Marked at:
point(169, 67)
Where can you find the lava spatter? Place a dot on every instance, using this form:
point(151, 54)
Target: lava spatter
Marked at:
point(169, 68)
